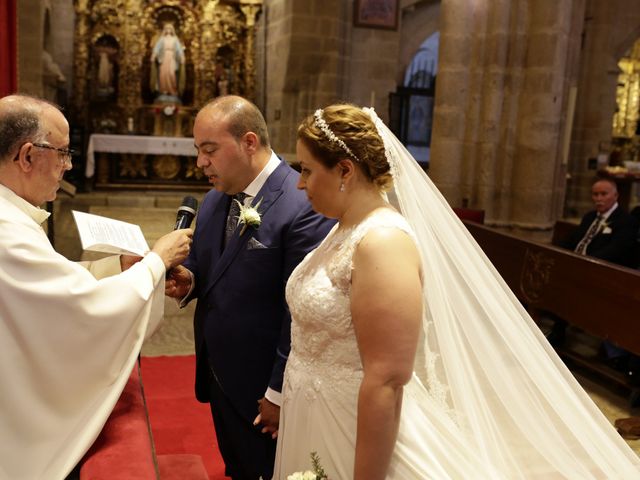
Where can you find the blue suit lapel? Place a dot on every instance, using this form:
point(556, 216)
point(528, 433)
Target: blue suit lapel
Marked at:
point(219, 217)
point(269, 193)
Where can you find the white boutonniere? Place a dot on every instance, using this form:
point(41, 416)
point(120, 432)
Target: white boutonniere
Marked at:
point(605, 229)
point(316, 474)
point(249, 216)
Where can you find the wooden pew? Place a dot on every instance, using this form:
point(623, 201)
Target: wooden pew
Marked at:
point(601, 298)
point(469, 214)
point(562, 231)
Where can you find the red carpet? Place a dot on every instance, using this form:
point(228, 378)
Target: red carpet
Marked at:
point(180, 424)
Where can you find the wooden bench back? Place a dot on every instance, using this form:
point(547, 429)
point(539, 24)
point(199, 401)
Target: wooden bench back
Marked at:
point(601, 298)
point(470, 214)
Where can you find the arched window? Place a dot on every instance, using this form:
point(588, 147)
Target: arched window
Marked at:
point(424, 66)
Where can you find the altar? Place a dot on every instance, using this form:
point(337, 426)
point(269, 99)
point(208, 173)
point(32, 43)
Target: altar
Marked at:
point(143, 72)
point(140, 161)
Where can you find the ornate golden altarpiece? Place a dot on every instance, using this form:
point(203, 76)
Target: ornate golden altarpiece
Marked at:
point(626, 119)
point(114, 77)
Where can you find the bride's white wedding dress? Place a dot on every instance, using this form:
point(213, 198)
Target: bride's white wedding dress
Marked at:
point(497, 401)
point(324, 373)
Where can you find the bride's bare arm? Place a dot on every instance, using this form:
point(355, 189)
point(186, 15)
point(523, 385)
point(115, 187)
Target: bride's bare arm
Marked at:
point(386, 306)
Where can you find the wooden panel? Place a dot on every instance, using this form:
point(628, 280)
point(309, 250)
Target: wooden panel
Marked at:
point(597, 296)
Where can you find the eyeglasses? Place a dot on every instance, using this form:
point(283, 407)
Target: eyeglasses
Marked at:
point(64, 154)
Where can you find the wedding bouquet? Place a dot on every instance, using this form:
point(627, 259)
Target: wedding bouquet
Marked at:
point(316, 474)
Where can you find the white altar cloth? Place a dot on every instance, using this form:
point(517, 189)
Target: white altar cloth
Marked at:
point(99, 142)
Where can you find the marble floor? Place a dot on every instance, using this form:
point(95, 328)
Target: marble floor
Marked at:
point(155, 212)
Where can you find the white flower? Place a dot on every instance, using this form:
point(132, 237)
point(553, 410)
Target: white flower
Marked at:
point(249, 217)
point(605, 228)
point(308, 475)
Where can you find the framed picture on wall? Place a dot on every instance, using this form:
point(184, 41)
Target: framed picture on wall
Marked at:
point(376, 14)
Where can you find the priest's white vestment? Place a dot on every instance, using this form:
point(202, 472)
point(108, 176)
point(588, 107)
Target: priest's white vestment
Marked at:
point(68, 340)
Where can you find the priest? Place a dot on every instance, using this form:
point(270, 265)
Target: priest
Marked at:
point(69, 340)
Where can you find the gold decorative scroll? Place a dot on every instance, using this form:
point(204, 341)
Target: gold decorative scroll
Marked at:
point(625, 120)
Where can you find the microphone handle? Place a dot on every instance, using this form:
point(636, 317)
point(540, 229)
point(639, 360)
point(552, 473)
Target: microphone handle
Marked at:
point(183, 221)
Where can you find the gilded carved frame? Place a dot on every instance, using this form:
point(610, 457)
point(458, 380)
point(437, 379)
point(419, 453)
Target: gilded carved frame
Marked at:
point(219, 38)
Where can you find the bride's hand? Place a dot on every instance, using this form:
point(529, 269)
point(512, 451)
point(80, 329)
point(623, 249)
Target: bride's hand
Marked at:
point(269, 417)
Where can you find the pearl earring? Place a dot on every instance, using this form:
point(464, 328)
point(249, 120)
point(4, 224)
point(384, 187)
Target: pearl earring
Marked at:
point(342, 187)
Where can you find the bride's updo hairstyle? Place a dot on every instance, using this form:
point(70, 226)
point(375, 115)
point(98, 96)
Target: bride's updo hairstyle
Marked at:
point(344, 130)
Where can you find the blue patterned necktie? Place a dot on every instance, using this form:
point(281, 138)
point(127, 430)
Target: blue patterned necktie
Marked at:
point(581, 248)
point(232, 216)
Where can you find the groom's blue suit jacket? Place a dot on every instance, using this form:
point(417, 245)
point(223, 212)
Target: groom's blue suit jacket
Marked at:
point(242, 324)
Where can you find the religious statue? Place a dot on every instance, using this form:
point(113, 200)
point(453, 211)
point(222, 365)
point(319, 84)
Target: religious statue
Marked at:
point(106, 70)
point(168, 66)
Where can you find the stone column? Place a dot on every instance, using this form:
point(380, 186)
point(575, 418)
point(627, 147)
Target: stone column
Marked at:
point(30, 15)
point(501, 98)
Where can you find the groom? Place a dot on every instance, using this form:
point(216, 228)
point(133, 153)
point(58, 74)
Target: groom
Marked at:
point(238, 269)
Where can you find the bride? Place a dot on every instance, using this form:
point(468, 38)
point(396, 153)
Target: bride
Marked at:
point(391, 291)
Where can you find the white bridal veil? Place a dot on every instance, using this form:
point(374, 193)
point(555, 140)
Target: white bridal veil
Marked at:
point(486, 361)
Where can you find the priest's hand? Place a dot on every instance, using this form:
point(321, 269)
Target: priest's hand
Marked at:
point(174, 247)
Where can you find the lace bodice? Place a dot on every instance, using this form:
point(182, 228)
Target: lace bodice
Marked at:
point(324, 351)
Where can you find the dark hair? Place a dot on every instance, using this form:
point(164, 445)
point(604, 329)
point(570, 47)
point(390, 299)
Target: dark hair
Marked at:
point(20, 121)
point(243, 116)
point(355, 128)
point(16, 128)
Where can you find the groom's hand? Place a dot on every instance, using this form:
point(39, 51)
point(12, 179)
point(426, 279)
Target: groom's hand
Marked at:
point(178, 282)
point(269, 417)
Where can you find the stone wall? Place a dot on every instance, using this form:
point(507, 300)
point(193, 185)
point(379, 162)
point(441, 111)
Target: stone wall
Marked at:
point(501, 101)
point(45, 27)
point(506, 76)
point(315, 57)
point(30, 42)
point(372, 66)
point(60, 45)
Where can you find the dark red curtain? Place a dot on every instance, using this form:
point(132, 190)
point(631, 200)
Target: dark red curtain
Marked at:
point(8, 49)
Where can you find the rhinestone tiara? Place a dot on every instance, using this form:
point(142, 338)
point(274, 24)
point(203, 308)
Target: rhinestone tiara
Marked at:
point(322, 125)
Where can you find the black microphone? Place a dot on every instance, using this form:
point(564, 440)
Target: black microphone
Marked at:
point(186, 213)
